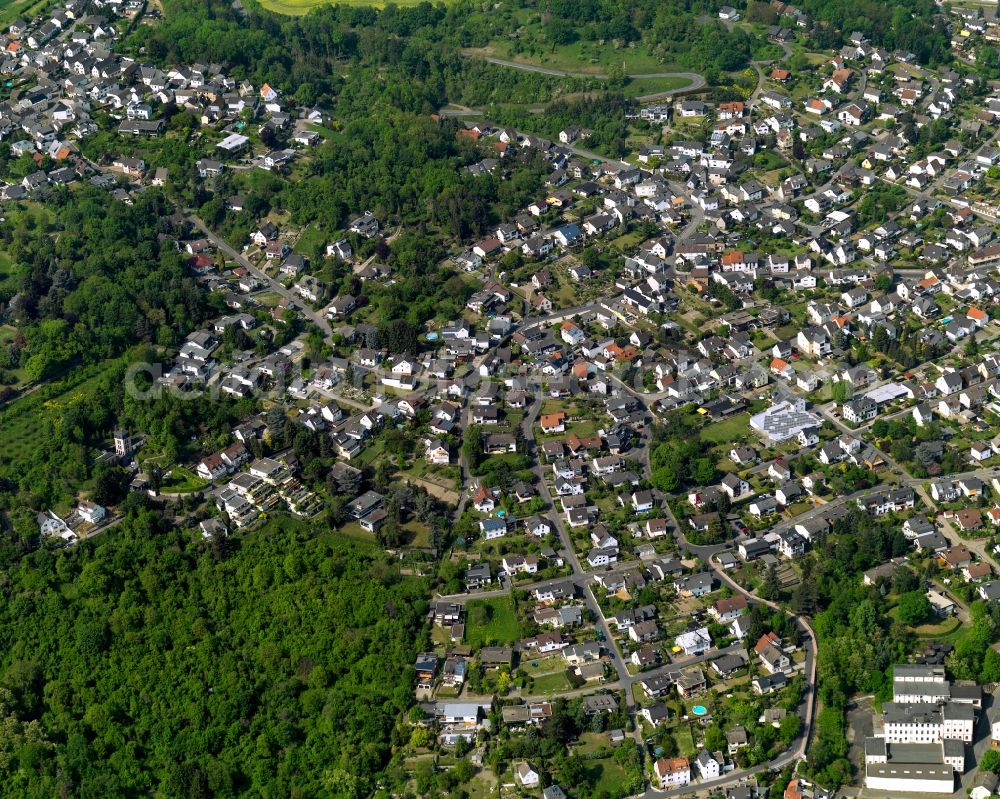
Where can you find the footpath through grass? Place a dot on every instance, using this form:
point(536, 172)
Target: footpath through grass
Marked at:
point(299, 7)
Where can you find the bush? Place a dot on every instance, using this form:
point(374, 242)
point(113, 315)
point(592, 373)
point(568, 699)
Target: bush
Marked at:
point(914, 608)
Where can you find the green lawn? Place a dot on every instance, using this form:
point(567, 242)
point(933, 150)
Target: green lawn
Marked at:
point(491, 621)
point(591, 742)
point(357, 532)
point(550, 683)
point(943, 629)
point(21, 419)
point(637, 87)
point(610, 778)
point(10, 11)
point(326, 133)
point(181, 480)
point(419, 534)
point(584, 429)
point(269, 299)
point(481, 787)
point(726, 430)
point(539, 667)
point(312, 238)
point(685, 739)
point(300, 7)
point(625, 244)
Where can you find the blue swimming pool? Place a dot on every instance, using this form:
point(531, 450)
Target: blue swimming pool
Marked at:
point(699, 710)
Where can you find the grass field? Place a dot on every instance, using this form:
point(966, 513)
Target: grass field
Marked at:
point(20, 8)
point(591, 742)
point(727, 430)
point(418, 534)
point(181, 480)
point(685, 739)
point(297, 8)
point(22, 419)
point(943, 629)
point(610, 775)
point(326, 133)
point(550, 683)
point(638, 87)
point(583, 57)
point(356, 532)
point(491, 621)
point(311, 239)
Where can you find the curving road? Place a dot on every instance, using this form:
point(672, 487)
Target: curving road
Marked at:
point(272, 284)
point(696, 81)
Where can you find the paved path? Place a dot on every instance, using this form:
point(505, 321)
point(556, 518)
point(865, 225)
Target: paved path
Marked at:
point(318, 318)
point(274, 285)
point(696, 81)
point(624, 678)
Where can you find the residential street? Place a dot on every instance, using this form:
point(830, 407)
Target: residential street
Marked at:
point(274, 285)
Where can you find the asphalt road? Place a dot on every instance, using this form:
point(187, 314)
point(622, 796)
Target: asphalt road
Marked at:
point(274, 285)
point(696, 80)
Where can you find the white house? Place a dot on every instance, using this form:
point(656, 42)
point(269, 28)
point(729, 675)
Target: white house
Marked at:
point(672, 771)
point(707, 765)
point(981, 451)
point(492, 529)
point(91, 512)
point(694, 642)
point(526, 775)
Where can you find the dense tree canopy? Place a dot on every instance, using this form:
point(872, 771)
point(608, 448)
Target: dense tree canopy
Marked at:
point(142, 664)
point(95, 282)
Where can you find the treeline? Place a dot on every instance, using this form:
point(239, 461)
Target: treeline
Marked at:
point(143, 664)
point(601, 114)
point(858, 641)
point(407, 57)
point(67, 419)
point(913, 26)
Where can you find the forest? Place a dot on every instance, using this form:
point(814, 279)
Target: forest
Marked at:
point(93, 282)
point(152, 662)
point(302, 54)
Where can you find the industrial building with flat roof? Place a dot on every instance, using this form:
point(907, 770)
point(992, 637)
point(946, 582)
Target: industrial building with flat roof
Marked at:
point(907, 778)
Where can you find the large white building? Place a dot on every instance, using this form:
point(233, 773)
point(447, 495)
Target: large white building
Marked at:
point(784, 420)
point(903, 779)
point(917, 672)
point(903, 769)
point(915, 723)
point(915, 683)
point(925, 732)
point(948, 753)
